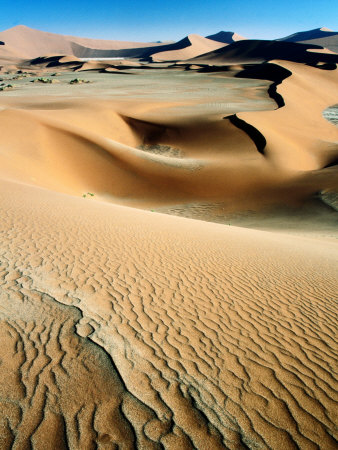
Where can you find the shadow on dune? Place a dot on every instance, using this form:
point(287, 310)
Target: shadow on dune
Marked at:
point(227, 37)
point(254, 134)
point(267, 71)
point(56, 61)
point(260, 51)
point(142, 53)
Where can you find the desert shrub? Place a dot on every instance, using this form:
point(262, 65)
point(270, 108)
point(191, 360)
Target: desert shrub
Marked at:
point(78, 81)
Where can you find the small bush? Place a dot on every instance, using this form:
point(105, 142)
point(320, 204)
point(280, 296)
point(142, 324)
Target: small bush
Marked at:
point(78, 81)
point(88, 193)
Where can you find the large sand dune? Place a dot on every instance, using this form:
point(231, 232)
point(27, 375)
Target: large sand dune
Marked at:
point(29, 43)
point(319, 36)
point(124, 328)
point(197, 46)
point(227, 37)
point(256, 51)
point(303, 36)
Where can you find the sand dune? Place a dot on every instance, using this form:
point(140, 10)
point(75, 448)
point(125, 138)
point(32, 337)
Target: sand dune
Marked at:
point(316, 33)
point(331, 43)
point(126, 328)
point(302, 146)
point(227, 37)
point(319, 36)
point(197, 46)
point(187, 47)
point(21, 42)
point(29, 43)
point(254, 51)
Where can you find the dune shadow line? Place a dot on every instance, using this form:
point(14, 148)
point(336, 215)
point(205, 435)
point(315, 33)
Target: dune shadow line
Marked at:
point(255, 135)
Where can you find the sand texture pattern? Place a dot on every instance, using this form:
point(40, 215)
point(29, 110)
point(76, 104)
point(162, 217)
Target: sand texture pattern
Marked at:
point(124, 328)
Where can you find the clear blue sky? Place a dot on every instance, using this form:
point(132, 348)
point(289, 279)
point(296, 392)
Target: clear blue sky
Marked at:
point(150, 20)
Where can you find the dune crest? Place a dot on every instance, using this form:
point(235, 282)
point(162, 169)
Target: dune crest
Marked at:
point(30, 43)
point(197, 46)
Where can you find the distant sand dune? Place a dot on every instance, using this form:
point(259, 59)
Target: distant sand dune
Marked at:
point(197, 46)
point(319, 36)
point(227, 37)
point(257, 51)
point(31, 43)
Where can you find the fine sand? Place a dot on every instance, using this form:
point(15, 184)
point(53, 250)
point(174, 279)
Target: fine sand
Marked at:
point(126, 328)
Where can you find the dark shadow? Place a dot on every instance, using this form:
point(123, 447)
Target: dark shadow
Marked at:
point(324, 66)
point(143, 53)
point(254, 134)
point(264, 71)
point(149, 133)
point(262, 51)
point(225, 37)
point(267, 71)
point(333, 163)
point(210, 69)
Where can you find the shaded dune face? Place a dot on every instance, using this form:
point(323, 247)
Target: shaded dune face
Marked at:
point(109, 342)
point(260, 51)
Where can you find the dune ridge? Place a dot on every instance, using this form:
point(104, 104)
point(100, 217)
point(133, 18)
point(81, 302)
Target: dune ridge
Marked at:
point(319, 36)
point(197, 46)
point(27, 43)
point(302, 36)
point(30, 43)
point(227, 37)
point(258, 51)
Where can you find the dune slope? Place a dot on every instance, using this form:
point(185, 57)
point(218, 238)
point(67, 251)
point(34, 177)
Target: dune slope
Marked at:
point(227, 37)
point(30, 43)
point(316, 33)
point(196, 45)
point(132, 329)
point(256, 51)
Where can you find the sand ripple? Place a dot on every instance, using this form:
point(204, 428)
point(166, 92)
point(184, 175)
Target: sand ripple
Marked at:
point(128, 329)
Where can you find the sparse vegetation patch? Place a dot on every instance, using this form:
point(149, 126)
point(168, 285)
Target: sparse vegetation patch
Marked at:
point(44, 80)
point(78, 81)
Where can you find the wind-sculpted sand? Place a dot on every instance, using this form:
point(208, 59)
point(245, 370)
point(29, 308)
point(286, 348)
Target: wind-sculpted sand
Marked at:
point(237, 144)
point(128, 329)
point(124, 328)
